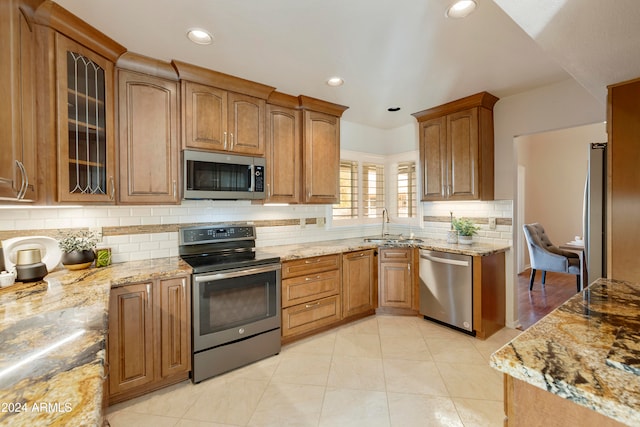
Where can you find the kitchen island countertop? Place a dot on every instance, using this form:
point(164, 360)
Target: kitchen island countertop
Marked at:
point(52, 342)
point(585, 351)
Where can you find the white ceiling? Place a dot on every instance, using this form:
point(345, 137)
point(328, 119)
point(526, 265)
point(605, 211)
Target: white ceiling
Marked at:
point(390, 53)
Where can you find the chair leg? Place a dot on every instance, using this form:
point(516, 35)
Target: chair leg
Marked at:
point(579, 282)
point(531, 278)
point(544, 277)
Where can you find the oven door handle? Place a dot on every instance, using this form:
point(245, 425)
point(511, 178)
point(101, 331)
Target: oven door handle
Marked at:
point(236, 273)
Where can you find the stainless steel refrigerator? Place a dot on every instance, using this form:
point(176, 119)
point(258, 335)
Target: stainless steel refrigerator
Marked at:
point(594, 213)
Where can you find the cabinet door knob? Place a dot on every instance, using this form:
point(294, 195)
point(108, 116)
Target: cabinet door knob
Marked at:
point(225, 140)
point(175, 189)
point(231, 148)
point(148, 295)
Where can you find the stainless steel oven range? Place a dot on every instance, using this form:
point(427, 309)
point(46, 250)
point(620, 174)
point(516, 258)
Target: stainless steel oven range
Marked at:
point(236, 298)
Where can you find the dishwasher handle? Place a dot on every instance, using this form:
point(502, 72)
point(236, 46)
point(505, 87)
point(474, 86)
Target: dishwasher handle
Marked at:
point(444, 260)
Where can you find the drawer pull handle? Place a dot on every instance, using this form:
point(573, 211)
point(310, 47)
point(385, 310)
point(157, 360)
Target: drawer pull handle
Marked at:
point(312, 278)
point(312, 261)
point(312, 305)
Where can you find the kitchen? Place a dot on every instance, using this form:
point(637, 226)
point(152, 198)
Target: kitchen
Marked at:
point(536, 109)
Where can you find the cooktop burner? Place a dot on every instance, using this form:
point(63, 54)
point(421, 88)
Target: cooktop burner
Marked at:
point(221, 247)
point(208, 263)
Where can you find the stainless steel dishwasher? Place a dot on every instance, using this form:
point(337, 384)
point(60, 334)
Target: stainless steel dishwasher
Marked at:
point(446, 289)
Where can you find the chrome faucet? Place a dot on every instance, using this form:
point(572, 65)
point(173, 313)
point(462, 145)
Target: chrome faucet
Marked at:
point(384, 212)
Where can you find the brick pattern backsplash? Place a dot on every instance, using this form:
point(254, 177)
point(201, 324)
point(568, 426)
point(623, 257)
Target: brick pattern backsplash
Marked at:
point(146, 232)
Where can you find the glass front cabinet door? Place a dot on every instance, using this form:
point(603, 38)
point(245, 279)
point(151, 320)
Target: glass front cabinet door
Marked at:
point(86, 148)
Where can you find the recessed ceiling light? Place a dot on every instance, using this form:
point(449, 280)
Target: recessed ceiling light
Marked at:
point(461, 8)
point(393, 109)
point(199, 36)
point(335, 81)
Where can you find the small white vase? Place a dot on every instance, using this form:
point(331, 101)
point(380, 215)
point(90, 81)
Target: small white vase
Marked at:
point(465, 240)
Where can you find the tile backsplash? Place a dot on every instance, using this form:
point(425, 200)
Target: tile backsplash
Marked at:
point(145, 232)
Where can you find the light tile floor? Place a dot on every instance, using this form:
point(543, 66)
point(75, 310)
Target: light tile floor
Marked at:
point(379, 371)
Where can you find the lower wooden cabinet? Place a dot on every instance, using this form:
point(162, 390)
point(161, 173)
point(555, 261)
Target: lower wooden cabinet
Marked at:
point(397, 280)
point(149, 342)
point(359, 284)
point(310, 295)
point(489, 297)
point(303, 318)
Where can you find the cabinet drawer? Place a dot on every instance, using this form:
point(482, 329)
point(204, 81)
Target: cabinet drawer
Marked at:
point(307, 317)
point(395, 254)
point(297, 290)
point(307, 266)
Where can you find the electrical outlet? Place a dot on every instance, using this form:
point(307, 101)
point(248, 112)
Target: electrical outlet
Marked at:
point(320, 221)
point(492, 223)
point(303, 223)
point(97, 231)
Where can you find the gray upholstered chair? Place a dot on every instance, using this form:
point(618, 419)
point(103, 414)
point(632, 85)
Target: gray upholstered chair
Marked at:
point(547, 257)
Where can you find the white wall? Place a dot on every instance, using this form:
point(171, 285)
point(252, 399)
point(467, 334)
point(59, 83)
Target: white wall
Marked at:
point(357, 137)
point(557, 106)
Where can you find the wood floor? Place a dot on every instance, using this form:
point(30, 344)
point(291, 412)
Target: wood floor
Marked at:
point(535, 304)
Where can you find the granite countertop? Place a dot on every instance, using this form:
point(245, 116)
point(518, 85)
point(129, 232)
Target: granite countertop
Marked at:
point(52, 342)
point(328, 247)
point(585, 351)
point(53, 332)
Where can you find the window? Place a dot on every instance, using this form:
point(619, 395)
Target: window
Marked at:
point(372, 189)
point(406, 190)
point(361, 190)
point(348, 206)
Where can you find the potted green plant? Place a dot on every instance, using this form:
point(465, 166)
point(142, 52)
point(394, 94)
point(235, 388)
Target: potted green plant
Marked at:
point(77, 249)
point(466, 229)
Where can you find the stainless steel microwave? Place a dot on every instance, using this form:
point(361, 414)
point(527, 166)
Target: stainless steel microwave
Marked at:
point(222, 176)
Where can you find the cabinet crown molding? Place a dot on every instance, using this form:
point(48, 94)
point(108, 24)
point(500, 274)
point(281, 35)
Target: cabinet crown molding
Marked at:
point(283, 100)
point(51, 14)
point(309, 103)
point(482, 99)
point(220, 80)
point(143, 64)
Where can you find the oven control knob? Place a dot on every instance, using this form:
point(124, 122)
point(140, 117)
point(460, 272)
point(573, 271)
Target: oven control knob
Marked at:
point(241, 331)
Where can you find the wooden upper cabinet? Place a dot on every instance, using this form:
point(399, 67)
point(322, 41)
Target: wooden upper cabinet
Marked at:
point(457, 149)
point(148, 132)
point(283, 149)
point(463, 155)
point(217, 120)
point(222, 112)
point(246, 124)
point(321, 157)
point(86, 143)
point(76, 111)
point(204, 117)
point(18, 168)
point(321, 150)
point(433, 157)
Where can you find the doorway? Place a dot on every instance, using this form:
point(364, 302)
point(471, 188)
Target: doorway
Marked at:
point(551, 173)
